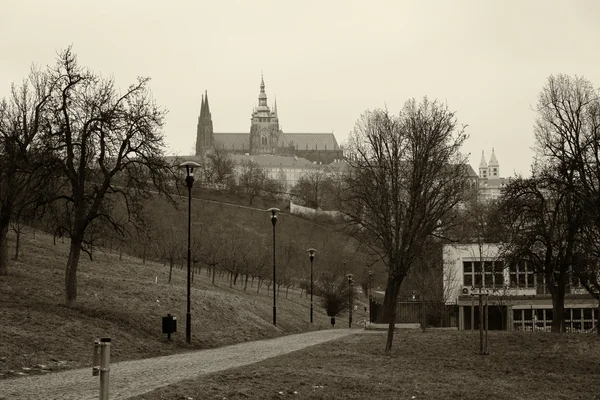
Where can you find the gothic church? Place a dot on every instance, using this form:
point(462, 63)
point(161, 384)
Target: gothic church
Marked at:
point(265, 136)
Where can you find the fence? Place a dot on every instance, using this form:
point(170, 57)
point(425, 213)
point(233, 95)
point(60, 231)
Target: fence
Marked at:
point(438, 314)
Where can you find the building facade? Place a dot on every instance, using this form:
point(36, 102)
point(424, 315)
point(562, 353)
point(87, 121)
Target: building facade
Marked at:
point(517, 297)
point(490, 182)
point(265, 136)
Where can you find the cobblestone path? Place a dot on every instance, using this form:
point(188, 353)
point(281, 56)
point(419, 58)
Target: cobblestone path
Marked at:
point(132, 378)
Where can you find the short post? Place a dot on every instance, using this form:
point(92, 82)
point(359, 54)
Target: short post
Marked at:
point(350, 282)
point(101, 364)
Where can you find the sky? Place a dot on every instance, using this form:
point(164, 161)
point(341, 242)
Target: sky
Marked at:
point(326, 62)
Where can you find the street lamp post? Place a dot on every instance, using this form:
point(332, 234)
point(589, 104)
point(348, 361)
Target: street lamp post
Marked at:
point(350, 283)
point(311, 255)
point(274, 212)
point(189, 180)
point(369, 293)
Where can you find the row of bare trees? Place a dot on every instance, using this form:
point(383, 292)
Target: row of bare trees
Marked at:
point(79, 151)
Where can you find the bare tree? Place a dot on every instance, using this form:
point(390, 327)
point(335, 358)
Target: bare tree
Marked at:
point(111, 147)
point(252, 179)
point(23, 116)
point(310, 187)
point(543, 222)
point(405, 178)
point(220, 167)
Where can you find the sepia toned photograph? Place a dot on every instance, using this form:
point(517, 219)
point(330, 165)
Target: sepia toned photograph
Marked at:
point(334, 199)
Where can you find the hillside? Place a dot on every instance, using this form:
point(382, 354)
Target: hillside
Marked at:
point(125, 300)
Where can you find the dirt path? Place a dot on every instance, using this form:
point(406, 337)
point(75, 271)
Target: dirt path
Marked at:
point(132, 378)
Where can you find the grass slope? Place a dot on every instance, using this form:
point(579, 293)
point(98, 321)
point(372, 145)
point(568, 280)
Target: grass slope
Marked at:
point(439, 364)
point(120, 299)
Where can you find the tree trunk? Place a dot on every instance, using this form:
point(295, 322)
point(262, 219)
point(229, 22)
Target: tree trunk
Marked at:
point(558, 307)
point(390, 304)
point(18, 242)
point(71, 273)
point(144, 254)
point(260, 280)
point(246, 283)
point(214, 271)
point(170, 269)
point(235, 277)
point(598, 316)
point(4, 224)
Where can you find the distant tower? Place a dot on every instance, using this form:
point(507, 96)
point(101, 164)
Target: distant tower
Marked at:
point(204, 130)
point(264, 128)
point(493, 166)
point(483, 167)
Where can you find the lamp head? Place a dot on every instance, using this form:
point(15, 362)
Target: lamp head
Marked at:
point(189, 167)
point(350, 278)
point(273, 212)
point(311, 253)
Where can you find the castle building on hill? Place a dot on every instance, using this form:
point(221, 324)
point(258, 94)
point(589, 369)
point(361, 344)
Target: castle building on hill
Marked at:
point(490, 182)
point(265, 136)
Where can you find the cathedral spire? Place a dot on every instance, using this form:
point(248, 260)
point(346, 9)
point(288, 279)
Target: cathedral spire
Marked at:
point(206, 103)
point(262, 97)
point(202, 107)
point(275, 107)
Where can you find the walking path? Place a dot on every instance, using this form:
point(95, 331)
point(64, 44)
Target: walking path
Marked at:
point(132, 378)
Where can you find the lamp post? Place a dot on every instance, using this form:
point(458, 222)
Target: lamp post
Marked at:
point(369, 293)
point(189, 180)
point(274, 212)
point(350, 283)
point(311, 255)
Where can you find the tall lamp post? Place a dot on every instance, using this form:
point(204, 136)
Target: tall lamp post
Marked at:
point(369, 293)
point(274, 212)
point(350, 283)
point(311, 255)
point(189, 180)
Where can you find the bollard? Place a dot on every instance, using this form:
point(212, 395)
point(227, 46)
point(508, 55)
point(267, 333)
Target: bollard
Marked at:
point(104, 367)
point(96, 358)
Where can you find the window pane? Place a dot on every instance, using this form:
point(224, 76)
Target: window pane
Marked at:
point(513, 280)
point(499, 277)
point(477, 266)
point(512, 268)
point(530, 280)
point(489, 280)
point(528, 314)
point(577, 313)
point(489, 266)
point(587, 313)
point(478, 280)
point(467, 267)
point(517, 315)
point(468, 281)
point(522, 282)
point(549, 315)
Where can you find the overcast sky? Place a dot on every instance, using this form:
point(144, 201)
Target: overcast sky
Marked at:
point(325, 61)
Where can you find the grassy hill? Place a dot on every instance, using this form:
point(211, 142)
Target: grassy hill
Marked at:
point(125, 300)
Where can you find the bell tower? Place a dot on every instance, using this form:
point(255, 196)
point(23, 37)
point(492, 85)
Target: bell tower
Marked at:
point(264, 126)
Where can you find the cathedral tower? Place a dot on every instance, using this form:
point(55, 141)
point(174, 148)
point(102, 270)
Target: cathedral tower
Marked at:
point(204, 129)
point(264, 128)
point(493, 166)
point(483, 167)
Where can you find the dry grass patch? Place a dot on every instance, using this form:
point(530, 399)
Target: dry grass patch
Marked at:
point(437, 364)
point(120, 299)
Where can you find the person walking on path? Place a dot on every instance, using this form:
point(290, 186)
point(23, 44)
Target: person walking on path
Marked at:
point(132, 378)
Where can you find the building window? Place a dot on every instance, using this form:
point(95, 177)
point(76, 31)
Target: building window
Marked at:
point(483, 274)
point(521, 275)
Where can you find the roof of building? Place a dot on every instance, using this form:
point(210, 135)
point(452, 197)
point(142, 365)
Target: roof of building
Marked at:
point(233, 141)
point(310, 141)
point(268, 160)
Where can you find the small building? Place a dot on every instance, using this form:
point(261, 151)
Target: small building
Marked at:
point(517, 296)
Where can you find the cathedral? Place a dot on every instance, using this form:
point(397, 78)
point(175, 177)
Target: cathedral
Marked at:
point(265, 136)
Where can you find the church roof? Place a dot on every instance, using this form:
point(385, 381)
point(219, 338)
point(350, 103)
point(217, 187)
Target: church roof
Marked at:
point(268, 160)
point(310, 141)
point(233, 141)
